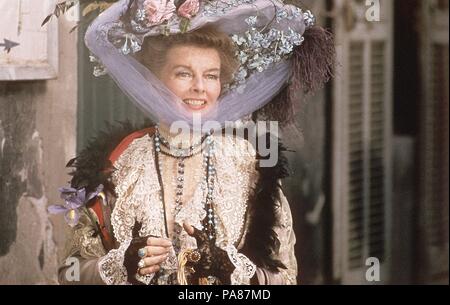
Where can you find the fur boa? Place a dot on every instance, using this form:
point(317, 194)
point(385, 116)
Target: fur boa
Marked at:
point(92, 168)
point(261, 242)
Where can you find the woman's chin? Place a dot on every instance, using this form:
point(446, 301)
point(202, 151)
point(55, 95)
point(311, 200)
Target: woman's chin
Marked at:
point(196, 108)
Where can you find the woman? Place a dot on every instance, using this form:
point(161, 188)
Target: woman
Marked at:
point(195, 208)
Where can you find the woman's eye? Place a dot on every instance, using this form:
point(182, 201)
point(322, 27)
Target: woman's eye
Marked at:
point(212, 76)
point(183, 74)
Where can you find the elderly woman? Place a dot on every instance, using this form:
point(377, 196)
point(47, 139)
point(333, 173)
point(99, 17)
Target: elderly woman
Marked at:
point(189, 208)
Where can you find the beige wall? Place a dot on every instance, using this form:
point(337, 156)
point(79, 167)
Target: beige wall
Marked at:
point(37, 138)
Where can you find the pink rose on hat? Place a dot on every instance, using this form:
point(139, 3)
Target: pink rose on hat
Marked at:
point(189, 9)
point(158, 11)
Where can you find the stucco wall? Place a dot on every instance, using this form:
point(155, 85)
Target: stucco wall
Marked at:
point(37, 137)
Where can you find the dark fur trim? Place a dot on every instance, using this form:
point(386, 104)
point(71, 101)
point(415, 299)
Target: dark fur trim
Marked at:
point(313, 61)
point(261, 241)
point(313, 64)
point(92, 166)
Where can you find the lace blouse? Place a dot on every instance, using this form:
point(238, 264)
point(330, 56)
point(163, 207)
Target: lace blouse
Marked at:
point(138, 199)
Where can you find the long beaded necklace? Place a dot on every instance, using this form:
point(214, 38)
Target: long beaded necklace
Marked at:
point(162, 146)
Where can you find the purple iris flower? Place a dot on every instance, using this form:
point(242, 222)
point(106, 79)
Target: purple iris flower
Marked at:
point(73, 200)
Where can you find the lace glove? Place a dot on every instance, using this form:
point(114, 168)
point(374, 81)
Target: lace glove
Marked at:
point(213, 261)
point(132, 258)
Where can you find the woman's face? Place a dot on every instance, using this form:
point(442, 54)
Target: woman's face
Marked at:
point(193, 74)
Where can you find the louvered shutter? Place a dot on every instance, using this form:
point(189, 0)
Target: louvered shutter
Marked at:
point(434, 165)
point(362, 131)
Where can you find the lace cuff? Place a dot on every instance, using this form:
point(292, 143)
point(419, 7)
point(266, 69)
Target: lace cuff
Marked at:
point(111, 268)
point(245, 269)
point(146, 279)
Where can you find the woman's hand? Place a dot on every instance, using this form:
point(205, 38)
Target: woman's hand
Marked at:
point(145, 254)
point(213, 260)
point(153, 254)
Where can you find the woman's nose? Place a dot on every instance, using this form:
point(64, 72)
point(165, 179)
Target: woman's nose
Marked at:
point(198, 85)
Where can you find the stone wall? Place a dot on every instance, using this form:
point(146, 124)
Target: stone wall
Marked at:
point(37, 137)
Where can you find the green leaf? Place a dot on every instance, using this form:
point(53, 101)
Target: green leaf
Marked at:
point(47, 19)
point(57, 11)
point(74, 28)
point(184, 24)
point(69, 6)
point(166, 31)
point(97, 5)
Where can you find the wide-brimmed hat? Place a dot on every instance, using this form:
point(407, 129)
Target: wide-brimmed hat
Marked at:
point(278, 45)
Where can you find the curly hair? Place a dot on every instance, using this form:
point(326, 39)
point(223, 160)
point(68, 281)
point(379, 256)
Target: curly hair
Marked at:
point(155, 49)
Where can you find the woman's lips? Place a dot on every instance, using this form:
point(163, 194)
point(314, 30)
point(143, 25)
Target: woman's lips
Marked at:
point(195, 104)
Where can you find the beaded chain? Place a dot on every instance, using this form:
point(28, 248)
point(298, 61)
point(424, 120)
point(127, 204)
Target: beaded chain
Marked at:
point(162, 146)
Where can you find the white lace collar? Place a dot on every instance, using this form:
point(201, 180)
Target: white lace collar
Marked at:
point(138, 192)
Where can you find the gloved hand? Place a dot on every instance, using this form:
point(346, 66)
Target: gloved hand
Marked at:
point(131, 254)
point(154, 251)
point(213, 260)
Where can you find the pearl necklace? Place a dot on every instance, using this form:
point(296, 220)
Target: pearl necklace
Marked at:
point(165, 147)
point(208, 180)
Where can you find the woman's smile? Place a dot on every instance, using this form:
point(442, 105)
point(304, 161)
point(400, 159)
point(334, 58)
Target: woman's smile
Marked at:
point(193, 74)
point(195, 104)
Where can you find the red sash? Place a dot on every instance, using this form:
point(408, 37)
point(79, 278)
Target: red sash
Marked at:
point(97, 206)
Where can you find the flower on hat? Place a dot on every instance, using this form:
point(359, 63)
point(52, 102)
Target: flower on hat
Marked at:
point(189, 9)
point(158, 11)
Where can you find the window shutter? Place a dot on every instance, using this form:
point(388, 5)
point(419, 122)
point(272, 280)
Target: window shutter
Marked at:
point(362, 131)
point(434, 154)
